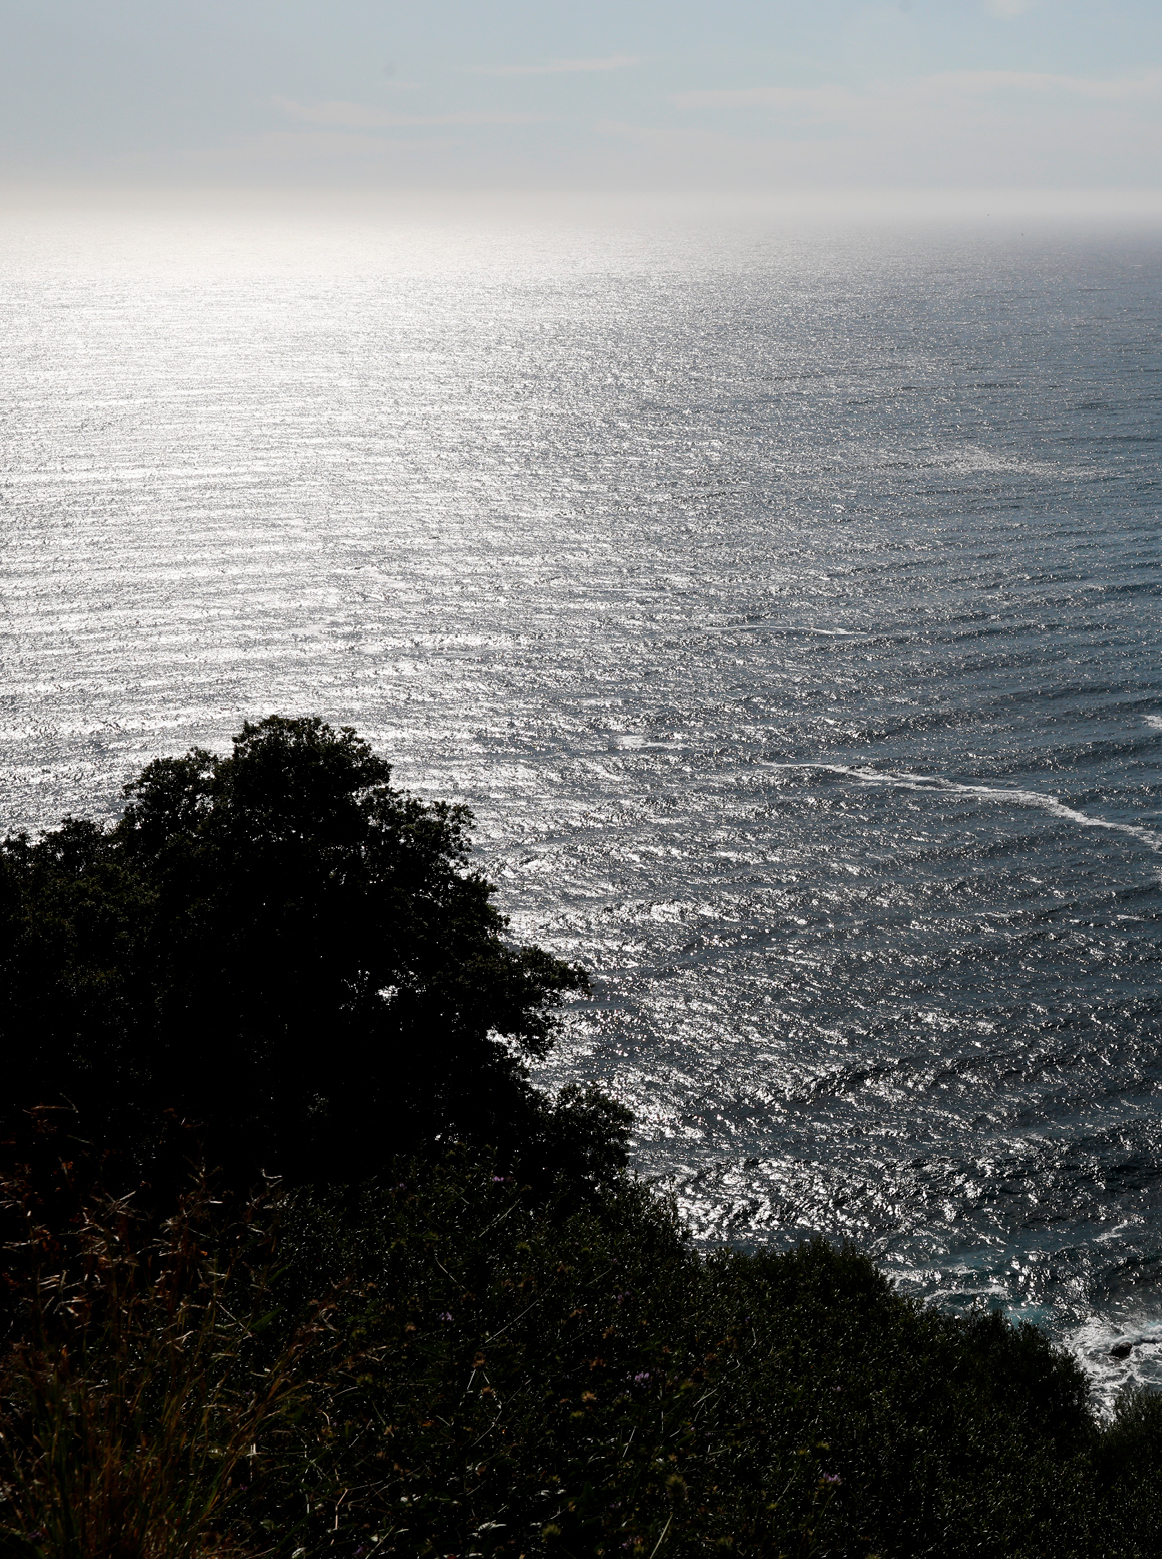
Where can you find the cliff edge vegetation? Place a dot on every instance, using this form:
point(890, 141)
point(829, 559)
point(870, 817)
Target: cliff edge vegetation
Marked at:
point(417, 1306)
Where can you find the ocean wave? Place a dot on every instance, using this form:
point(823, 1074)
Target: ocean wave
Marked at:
point(935, 784)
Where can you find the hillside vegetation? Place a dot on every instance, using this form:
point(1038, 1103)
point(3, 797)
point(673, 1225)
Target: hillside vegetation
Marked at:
point(417, 1307)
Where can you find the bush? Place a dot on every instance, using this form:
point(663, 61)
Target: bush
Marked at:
point(144, 1374)
point(446, 1364)
point(283, 948)
point(511, 1376)
point(465, 1331)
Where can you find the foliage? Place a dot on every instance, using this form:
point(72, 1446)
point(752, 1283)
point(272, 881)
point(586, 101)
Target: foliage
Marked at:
point(448, 1365)
point(512, 1378)
point(145, 1373)
point(469, 1333)
point(281, 946)
point(1129, 1472)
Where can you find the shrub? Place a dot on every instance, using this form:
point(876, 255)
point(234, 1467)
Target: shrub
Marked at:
point(466, 1331)
point(145, 1374)
point(284, 948)
point(511, 1376)
point(495, 1373)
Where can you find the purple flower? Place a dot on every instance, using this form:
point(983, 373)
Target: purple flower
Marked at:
point(832, 1477)
point(640, 1380)
point(445, 1315)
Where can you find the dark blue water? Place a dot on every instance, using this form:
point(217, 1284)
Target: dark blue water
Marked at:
point(786, 604)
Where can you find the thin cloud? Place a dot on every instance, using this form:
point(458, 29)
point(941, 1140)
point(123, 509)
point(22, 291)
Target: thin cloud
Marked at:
point(766, 97)
point(1010, 8)
point(358, 116)
point(1144, 84)
point(304, 148)
point(831, 100)
point(947, 127)
point(557, 67)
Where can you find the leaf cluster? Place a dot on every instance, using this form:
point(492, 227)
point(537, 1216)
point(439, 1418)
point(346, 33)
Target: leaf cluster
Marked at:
point(145, 1376)
point(465, 1331)
point(513, 1377)
point(282, 947)
point(448, 1364)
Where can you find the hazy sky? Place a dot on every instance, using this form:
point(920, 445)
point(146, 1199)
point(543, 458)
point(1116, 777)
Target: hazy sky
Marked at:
point(608, 94)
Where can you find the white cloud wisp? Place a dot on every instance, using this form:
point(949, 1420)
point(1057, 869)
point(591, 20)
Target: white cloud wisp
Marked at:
point(557, 67)
point(358, 116)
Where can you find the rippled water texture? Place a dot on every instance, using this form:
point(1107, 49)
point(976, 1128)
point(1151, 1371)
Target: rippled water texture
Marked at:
point(786, 604)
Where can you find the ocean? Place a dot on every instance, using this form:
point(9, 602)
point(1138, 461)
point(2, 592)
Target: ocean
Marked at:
point(782, 596)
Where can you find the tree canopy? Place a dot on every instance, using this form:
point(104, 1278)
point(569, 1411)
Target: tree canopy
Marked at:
point(283, 948)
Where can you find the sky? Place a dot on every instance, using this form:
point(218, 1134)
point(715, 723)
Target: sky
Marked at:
point(618, 95)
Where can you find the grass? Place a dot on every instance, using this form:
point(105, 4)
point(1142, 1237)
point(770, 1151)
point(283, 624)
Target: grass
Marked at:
point(447, 1364)
point(138, 1386)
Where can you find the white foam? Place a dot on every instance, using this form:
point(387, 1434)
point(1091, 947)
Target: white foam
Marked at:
point(1108, 1374)
point(933, 783)
point(971, 458)
point(776, 625)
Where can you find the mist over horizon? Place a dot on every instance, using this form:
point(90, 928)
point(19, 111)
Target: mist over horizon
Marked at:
point(823, 102)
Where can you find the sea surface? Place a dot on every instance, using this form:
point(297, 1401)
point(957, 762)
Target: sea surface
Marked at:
point(785, 600)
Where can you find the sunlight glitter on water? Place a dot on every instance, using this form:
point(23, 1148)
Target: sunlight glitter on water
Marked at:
point(784, 602)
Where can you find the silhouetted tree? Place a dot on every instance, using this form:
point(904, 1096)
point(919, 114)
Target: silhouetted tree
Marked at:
point(282, 947)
